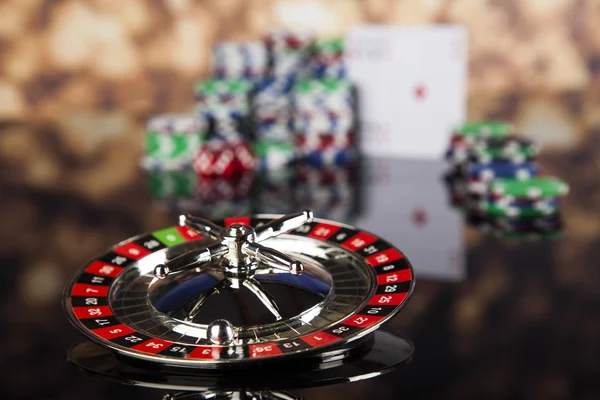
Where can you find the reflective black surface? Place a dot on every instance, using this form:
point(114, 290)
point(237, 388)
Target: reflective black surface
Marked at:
point(489, 318)
point(377, 355)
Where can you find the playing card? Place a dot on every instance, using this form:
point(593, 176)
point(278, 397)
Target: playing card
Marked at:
point(405, 203)
point(411, 83)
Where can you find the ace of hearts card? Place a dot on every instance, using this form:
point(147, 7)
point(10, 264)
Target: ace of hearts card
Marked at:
point(412, 86)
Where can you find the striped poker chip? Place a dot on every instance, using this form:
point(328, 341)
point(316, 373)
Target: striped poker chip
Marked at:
point(328, 69)
point(488, 158)
point(288, 64)
point(274, 155)
point(224, 122)
point(271, 100)
point(274, 85)
point(235, 60)
point(223, 91)
point(276, 130)
point(333, 96)
point(492, 129)
point(513, 154)
point(316, 87)
point(488, 172)
point(510, 143)
point(328, 46)
point(172, 140)
point(540, 187)
point(177, 123)
point(321, 123)
point(278, 39)
point(517, 212)
point(316, 143)
point(332, 156)
point(545, 203)
point(333, 106)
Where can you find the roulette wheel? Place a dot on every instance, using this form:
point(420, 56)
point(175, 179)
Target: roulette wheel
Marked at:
point(265, 301)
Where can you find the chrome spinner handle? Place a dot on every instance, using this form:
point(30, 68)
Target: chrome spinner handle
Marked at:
point(238, 245)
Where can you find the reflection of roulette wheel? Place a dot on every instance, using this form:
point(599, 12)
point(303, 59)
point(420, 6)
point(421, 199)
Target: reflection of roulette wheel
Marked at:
point(208, 301)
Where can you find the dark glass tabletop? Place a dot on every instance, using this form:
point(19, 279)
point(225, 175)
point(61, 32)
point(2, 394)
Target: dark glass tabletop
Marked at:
point(489, 318)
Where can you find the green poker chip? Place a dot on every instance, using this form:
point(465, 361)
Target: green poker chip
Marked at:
point(496, 210)
point(173, 147)
point(317, 86)
point(274, 154)
point(514, 154)
point(264, 147)
point(329, 46)
point(535, 188)
point(494, 129)
point(220, 87)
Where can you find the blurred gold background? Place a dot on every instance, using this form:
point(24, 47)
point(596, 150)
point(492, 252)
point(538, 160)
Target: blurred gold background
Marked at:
point(92, 71)
point(141, 56)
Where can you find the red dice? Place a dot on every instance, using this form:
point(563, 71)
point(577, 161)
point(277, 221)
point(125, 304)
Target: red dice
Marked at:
point(218, 158)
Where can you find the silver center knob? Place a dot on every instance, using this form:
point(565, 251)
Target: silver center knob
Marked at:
point(234, 237)
point(241, 256)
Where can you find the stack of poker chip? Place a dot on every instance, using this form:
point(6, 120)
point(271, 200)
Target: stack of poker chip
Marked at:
point(496, 180)
point(240, 60)
point(466, 135)
point(272, 110)
point(323, 120)
point(327, 59)
point(509, 157)
point(225, 103)
point(272, 107)
point(281, 107)
point(172, 141)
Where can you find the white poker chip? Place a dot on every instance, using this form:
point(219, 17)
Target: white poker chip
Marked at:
point(177, 123)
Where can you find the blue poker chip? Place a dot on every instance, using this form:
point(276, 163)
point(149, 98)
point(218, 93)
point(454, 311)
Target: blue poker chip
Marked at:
point(521, 208)
point(328, 71)
point(524, 204)
point(275, 86)
point(323, 125)
point(319, 158)
point(493, 170)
